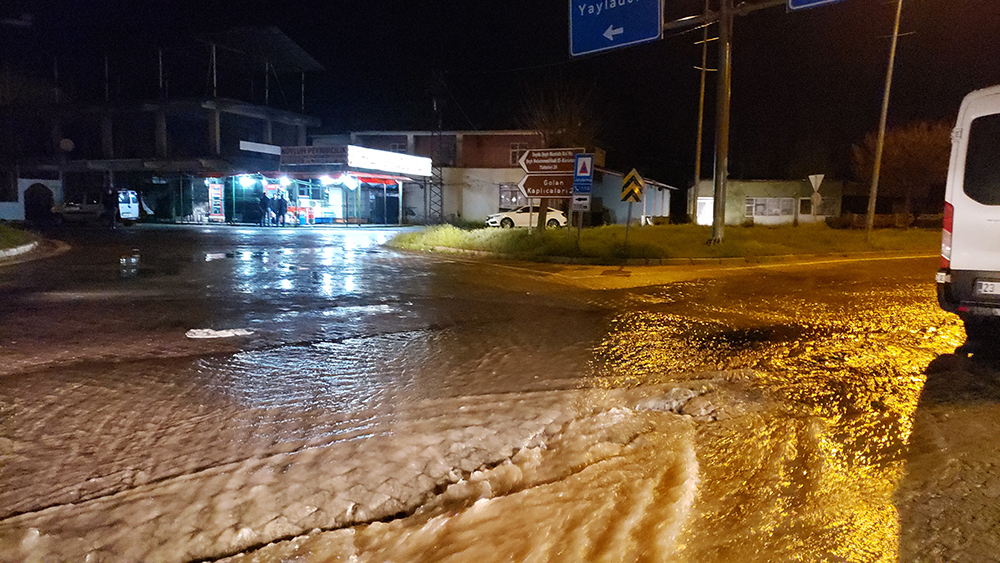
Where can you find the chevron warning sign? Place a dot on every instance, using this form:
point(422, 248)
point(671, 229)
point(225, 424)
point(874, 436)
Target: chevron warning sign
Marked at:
point(632, 187)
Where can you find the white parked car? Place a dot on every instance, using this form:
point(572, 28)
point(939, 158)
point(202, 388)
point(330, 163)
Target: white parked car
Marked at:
point(525, 217)
point(968, 282)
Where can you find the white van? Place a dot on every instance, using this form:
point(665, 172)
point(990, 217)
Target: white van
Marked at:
point(128, 205)
point(968, 282)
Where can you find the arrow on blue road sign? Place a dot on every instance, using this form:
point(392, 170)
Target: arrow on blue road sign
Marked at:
point(803, 4)
point(613, 31)
point(600, 25)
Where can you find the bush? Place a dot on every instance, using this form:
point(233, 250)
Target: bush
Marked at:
point(11, 237)
point(929, 221)
point(607, 244)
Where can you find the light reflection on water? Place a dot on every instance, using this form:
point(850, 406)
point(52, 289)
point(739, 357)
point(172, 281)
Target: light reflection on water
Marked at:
point(815, 482)
point(345, 376)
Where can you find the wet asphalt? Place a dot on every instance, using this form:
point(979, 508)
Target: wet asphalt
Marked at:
point(106, 393)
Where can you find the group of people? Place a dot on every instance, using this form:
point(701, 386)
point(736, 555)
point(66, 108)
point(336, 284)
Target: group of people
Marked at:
point(273, 210)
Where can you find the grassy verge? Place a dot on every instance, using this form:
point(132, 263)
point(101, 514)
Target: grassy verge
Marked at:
point(11, 237)
point(607, 244)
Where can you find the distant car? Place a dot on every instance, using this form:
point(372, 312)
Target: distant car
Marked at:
point(525, 217)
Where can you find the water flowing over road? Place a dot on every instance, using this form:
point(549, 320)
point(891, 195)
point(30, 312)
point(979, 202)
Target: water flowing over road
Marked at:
point(181, 394)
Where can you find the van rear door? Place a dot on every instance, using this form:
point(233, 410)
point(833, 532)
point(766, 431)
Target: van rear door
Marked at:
point(974, 185)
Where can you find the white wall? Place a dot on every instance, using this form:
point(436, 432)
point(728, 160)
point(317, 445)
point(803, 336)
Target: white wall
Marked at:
point(474, 193)
point(737, 191)
point(14, 210)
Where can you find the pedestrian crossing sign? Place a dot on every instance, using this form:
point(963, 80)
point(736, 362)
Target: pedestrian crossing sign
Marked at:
point(632, 187)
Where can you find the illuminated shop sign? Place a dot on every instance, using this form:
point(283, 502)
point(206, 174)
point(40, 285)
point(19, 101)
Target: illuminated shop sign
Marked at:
point(357, 157)
point(291, 156)
point(385, 161)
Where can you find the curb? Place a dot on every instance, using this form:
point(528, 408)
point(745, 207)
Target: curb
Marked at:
point(739, 261)
point(17, 250)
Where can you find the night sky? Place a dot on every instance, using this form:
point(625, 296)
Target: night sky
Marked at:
point(806, 85)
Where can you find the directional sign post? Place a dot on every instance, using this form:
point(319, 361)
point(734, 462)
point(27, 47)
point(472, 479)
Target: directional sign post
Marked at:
point(551, 186)
point(602, 25)
point(550, 173)
point(549, 161)
point(803, 4)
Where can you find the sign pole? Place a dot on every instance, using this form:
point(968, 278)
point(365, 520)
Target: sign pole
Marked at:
point(579, 228)
point(628, 223)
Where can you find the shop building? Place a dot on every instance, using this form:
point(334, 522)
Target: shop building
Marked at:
point(181, 151)
point(476, 173)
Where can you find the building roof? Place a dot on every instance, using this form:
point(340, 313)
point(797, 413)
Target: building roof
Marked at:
point(518, 132)
point(266, 45)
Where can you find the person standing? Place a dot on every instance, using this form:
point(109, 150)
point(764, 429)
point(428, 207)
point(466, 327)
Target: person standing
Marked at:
point(265, 210)
point(110, 202)
point(282, 209)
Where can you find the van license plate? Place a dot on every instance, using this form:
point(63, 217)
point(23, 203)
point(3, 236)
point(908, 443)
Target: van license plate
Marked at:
point(987, 288)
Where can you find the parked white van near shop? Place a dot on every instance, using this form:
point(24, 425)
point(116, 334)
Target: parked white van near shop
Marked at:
point(968, 282)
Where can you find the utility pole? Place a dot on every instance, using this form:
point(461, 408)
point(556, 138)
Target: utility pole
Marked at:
point(724, 89)
point(693, 209)
point(876, 168)
point(725, 18)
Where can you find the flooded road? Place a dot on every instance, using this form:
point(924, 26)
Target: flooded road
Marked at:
point(362, 404)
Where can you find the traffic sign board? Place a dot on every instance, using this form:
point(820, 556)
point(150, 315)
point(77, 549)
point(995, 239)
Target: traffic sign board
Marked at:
point(549, 161)
point(601, 25)
point(632, 187)
point(580, 202)
point(803, 4)
point(583, 175)
point(558, 186)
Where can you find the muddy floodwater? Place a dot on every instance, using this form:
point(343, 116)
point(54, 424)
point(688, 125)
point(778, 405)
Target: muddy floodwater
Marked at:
point(369, 405)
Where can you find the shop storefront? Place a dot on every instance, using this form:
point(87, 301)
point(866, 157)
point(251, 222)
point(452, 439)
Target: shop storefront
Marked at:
point(330, 185)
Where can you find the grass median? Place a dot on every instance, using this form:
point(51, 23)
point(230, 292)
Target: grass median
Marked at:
point(12, 238)
point(607, 244)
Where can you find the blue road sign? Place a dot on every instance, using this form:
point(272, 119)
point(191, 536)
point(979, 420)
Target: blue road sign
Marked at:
point(601, 25)
point(803, 4)
point(583, 173)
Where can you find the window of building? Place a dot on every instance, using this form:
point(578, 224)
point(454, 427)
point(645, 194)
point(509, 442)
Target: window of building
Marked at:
point(8, 187)
point(511, 197)
point(770, 206)
point(397, 147)
point(516, 151)
point(805, 206)
point(826, 208)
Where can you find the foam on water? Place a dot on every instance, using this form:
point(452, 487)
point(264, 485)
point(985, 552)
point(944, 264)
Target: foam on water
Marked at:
point(614, 484)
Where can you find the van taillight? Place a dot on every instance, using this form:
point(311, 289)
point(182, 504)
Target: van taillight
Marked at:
point(949, 219)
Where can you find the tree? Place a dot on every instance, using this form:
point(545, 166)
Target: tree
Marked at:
point(564, 119)
point(914, 158)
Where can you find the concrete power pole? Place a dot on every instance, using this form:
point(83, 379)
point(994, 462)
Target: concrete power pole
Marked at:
point(877, 166)
point(725, 80)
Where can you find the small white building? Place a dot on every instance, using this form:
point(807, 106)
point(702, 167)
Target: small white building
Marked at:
point(769, 202)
